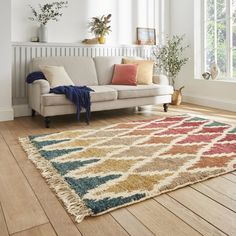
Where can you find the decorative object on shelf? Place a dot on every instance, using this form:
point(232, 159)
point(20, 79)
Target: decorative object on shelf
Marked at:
point(177, 97)
point(214, 71)
point(46, 13)
point(100, 27)
point(206, 75)
point(146, 36)
point(43, 33)
point(90, 41)
point(169, 58)
point(35, 39)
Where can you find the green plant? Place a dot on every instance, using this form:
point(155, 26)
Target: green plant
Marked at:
point(47, 12)
point(100, 25)
point(169, 58)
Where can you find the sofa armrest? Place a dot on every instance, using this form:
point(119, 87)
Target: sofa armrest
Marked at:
point(35, 90)
point(160, 79)
point(43, 85)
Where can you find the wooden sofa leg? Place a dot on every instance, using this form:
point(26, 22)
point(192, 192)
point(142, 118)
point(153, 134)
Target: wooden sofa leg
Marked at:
point(33, 113)
point(165, 106)
point(47, 122)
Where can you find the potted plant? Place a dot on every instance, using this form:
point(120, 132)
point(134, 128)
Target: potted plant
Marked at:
point(100, 27)
point(169, 58)
point(46, 13)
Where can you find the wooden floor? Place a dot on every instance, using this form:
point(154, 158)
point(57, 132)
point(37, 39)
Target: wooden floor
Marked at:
point(29, 208)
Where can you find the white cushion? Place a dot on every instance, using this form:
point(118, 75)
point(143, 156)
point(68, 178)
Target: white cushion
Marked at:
point(81, 70)
point(100, 94)
point(56, 76)
point(138, 91)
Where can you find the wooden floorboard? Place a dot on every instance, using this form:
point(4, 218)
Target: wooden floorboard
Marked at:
point(188, 216)
point(3, 226)
point(230, 177)
point(58, 217)
point(100, 226)
point(159, 220)
point(19, 203)
point(29, 207)
point(216, 195)
point(223, 186)
point(216, 214)
point(130, 223)
point(42, 230)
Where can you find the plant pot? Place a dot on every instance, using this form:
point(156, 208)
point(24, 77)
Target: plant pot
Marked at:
point(43, 34)
point(177, 97)
point(102, 40)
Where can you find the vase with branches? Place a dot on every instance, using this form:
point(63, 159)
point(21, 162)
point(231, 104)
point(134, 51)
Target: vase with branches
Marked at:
point(45, 13)
point(100, 27)
point(169, 58)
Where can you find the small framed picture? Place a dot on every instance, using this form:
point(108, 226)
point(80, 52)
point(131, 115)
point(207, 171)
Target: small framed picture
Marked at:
point(146, 36)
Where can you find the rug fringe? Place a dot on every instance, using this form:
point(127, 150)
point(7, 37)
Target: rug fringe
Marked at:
point(73, 203)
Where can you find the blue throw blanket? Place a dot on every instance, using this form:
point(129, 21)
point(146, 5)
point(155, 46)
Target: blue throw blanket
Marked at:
point(79, 95)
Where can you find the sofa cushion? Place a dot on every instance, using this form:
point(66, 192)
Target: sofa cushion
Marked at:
point(145, 70)
point(105, 67)
point(56, 76)
point(100, 94)
point(138, 91)
point(81, 70)
point(125, 74)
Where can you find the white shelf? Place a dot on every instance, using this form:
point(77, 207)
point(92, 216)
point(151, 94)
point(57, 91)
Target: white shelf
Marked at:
point(37, 44)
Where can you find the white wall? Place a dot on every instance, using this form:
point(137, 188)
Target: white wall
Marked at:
point(217, 94)
point(72, 27)
point(6, 112)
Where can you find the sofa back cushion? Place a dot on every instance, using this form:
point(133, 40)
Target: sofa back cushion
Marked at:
point(81, 70)
point(105, 67)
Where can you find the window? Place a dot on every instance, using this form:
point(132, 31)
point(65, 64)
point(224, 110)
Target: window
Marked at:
point(219, 42)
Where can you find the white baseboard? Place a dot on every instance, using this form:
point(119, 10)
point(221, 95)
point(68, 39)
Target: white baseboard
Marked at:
point(6, 113)
point(210, 102)
point(21, 110)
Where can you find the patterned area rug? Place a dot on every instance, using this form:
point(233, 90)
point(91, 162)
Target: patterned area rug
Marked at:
point(96, 171)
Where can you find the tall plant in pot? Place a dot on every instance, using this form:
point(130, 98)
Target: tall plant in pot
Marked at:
point(169, 59)
point(46, 13)
point(100, 27)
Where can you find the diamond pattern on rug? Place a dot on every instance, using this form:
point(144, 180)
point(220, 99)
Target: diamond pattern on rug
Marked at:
point(94, 171)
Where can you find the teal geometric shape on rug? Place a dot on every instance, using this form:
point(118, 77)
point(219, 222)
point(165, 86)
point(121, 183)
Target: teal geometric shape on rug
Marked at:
point(107, 203)
point(64, 168)
point(233, 131)
point(196, 119)
point(82, 185)
point(215, 124)
point(42, 144)
point(51, 154)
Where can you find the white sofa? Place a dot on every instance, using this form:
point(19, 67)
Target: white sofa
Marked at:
point(96, 73)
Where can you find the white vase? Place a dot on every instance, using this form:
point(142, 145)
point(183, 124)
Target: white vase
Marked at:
point(214, 71)
point(43, 34)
